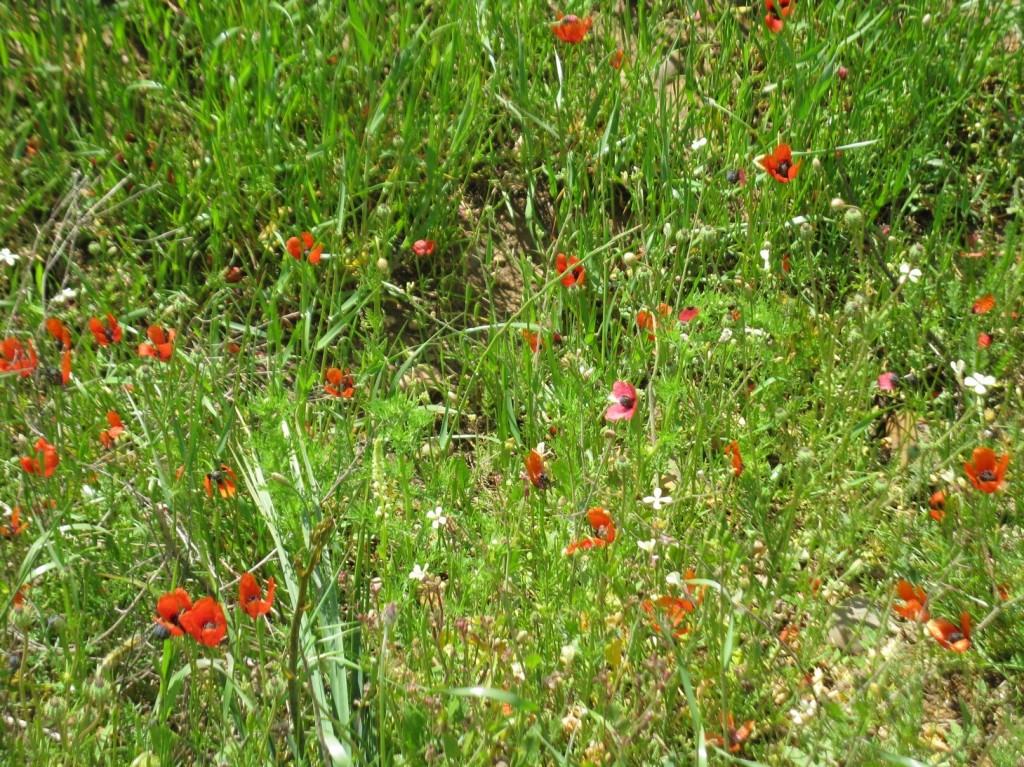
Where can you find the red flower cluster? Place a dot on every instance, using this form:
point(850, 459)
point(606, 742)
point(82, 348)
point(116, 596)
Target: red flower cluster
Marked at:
point(604, 532)
point(777, 11)
point(204, 621)
point(45, 462)
point(305, 245)
point(571, 270)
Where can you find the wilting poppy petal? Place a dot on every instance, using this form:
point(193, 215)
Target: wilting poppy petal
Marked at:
point(674, 609)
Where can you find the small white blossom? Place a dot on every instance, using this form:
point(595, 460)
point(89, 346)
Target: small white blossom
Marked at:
point(906, 273)
point(8, 257)
point(647, 546)
point(517, 672)
point(674, 579)
point(726, 335)
point(437, 518)
point(418, 573)
point(64, 296)
point(657, 500)
point(980, 382)
point(699, 144)
point(958, 368)
point(766, 256)
point(568, 654)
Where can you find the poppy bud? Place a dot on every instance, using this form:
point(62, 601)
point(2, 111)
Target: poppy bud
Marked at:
point(382, 264)
point(838, 203)
point(926, 20)
point(853, 218)
point(843, 72)
point(390, 614)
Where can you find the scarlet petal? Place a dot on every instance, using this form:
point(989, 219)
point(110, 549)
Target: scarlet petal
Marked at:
point(984, 305)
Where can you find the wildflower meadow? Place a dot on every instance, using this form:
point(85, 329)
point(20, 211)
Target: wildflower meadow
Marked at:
point(477, 383)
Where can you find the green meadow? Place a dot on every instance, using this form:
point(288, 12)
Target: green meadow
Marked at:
point(423, 383)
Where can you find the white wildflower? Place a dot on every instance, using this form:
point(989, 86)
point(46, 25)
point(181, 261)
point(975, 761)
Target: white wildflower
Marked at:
point(699, 144)
point(418, 573)
point(958, 368)
point(980, 382)
point(8, 257)
point(657, 500)
point(726, 335)
point(906, 273)
point(674, 579)
point(647, 546)
point(437, 518)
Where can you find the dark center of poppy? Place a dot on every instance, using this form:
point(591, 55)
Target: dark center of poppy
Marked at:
point(955, 637)
point(784, 168)
point(216, 477)
point(570, 19)
point(987, 476)
point(209, 625)
point(109, 334)
point(733, 176)
point(626, 401)
point(543, 481)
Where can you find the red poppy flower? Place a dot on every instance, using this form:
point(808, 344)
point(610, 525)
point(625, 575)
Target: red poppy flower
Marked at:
point(736, 736)
point(162, 346)
point(669, 610)
point(59, 331)
point(18, 602)
point(572, 274)
point(49, 462)
point(951, 636)
point(536, 470)
point(423, 247)
point(15, 527)
point(108, 334)
point(689, 313)
point(986, 469)
point(65, 367)
point(733, 451)
point(616, 58)
point(15, 358)
point(785, 263)
point(937, 505)
point(339, 383)
point(777, 10)
point(646, 321)
point(233, 274)
point(306, 246)
point(205, 622)
point(109, 436)
point(780, 164)
point(888, 381)
point(623, 399)
point(984, 305)
point(984, 340)
point(571, 29)
point(170, 608)
point(224, 478)
point(533, 339)
point(250, 596)
point(914, 600)
point(604, 532)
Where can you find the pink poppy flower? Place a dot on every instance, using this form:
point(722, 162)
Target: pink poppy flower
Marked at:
point(623, 399)
point(688, 313)
point(888, 381)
